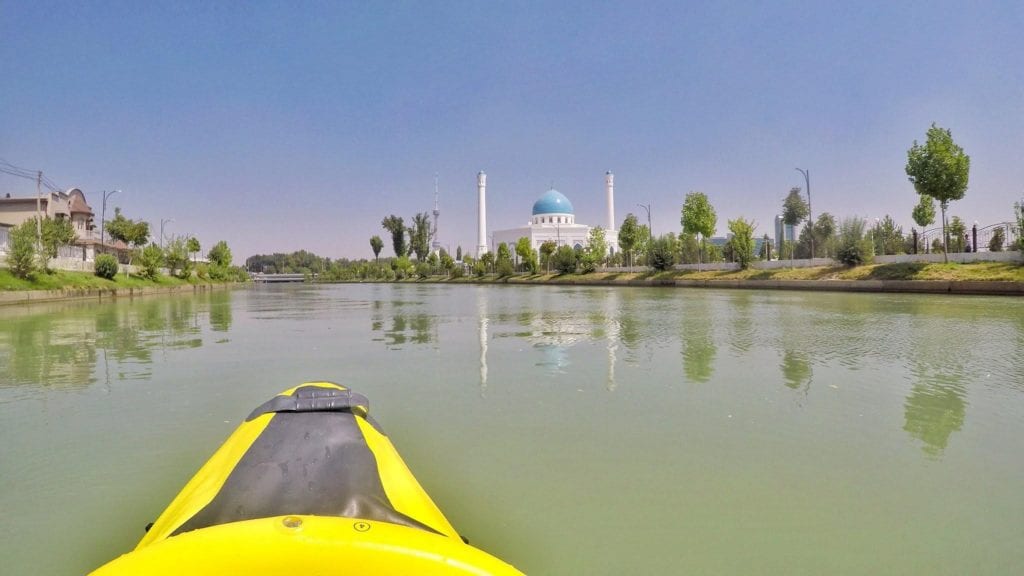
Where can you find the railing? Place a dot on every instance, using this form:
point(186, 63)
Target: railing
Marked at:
point(978, 239)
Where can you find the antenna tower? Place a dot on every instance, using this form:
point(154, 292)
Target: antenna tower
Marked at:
point(437, 212)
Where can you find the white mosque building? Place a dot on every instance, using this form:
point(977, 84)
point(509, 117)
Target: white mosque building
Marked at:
point(553, 219)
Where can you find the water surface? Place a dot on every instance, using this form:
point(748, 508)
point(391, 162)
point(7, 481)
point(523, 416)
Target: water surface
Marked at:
point(568, 430)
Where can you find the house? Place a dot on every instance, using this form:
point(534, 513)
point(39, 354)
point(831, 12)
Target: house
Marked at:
point(70, 205)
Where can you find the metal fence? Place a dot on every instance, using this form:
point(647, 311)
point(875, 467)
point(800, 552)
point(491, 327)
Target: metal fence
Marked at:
point(976, 239)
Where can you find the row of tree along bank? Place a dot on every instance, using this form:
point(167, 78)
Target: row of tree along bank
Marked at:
point(938, 170)
point(34, 244)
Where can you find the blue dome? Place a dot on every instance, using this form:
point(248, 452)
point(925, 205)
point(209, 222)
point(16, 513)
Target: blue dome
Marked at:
point(552, 202)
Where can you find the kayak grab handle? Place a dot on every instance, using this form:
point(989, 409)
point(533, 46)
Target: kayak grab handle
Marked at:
point(315, 399)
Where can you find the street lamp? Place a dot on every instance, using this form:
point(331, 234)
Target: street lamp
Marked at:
point(650, 231)
point(103, 217)
point(810, 213)
point(162, 222)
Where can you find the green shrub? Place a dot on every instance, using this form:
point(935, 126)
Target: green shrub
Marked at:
point(151, 260)
point(564, 260)
point(106, 266)
point(588, 263)
point(21, 256)
point(854, 246)
point(505, 268)
point(423, 270)
point(663, 253)
point(458, 272)
point(997, 241)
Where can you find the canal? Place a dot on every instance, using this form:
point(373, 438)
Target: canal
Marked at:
point(567, 430)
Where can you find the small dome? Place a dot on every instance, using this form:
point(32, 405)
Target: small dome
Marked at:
point(552, 202)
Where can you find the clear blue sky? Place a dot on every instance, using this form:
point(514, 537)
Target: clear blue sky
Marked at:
point(291, 126)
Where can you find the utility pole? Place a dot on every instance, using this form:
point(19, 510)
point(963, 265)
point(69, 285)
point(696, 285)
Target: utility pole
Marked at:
point(39, 209)
point(650, 231)
point(810, 213)
point(162, 222)
point(103, 217)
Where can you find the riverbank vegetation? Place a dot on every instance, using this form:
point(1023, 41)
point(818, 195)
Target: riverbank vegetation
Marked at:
point(66, 280)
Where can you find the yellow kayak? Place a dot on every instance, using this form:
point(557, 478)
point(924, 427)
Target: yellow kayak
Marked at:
point(309, 484)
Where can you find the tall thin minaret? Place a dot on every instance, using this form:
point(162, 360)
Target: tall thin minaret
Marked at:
point(437, 212)
point(609, 185)
point(481, 187)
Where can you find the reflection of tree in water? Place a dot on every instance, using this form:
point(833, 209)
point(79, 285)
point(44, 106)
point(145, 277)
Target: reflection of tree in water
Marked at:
point(742, 334)
point(220, 311)
point(697, 337)
point(796, 370)
point(48, 349)
point(933, 411)
point(415, 328)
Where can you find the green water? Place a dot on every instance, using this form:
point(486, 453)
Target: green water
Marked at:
point(567, 430)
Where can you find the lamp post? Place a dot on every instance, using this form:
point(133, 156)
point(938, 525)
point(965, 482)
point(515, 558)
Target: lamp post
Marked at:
point(810, 213)
point(162, 222)
point(103, 217)
point(650, 231)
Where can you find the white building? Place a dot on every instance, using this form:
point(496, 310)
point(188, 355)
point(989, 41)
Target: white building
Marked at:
point(552, 219)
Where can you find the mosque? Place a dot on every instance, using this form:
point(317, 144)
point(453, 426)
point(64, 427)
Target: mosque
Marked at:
point(552, 219)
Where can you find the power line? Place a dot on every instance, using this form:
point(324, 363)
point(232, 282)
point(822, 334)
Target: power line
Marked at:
point(8, 168)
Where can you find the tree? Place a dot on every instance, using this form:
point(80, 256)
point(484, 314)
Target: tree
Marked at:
point(376, 244)
point(662, 254)
point(939, 169)
point(995, 244)
point(524, 251)
point(698, 218)
point(56, 232)
point(824, 229)
point(546, 250)
point(193, 247)
point(629, 236)
point(447, 263)
point(134, 233)
point(396, 226)
point(220, 254)
point(854, 247)
point(487, 261)
point(742, 242)
point(565, 259)
point(504, 254)
point(794, 211)
point(597, 245)
point(21, 255)
point(924, 211)
point(419, 235)
point(176, 258)
point(151, 260)
point(956, 242)
point(1018, 213)
point(887, 236)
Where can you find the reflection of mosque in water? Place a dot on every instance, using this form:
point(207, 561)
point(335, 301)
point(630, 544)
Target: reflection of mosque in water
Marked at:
point(61, 345)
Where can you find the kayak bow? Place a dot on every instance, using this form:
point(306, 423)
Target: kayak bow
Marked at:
point(308, 484)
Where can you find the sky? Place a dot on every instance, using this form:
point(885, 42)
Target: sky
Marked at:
point(301, 125)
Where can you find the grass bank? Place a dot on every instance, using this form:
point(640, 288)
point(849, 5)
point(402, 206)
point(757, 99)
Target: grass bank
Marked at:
point(65, 280)
point(967, 278)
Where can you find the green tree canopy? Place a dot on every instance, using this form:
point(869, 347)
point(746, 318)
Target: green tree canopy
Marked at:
point(698, 217)
point(546, 250)
point(629, 236)
point(742, 242)
point(924, 211)
point(193, 247)
point(131, 232)
point(220, 254)
point(939, 169)
point(376, 244)
point(57, 232)
point(419, 235)
point(396, 226)
point(597, 245)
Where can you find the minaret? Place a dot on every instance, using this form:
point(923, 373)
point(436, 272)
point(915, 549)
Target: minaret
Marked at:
point(481, 186)
point(437, 212)
point(609, 185)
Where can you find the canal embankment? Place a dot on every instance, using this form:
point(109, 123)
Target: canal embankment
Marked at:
point(14, 297)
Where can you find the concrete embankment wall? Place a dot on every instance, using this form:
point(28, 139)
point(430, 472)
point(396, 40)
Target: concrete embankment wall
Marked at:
point(32, 296)
point(892, 286)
